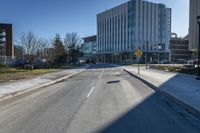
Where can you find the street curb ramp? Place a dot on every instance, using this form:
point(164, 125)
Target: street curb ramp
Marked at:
point(183, 104)
point(17, 93)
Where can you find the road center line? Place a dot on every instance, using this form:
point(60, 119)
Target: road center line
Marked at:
point(100, 76)
point(90, 92)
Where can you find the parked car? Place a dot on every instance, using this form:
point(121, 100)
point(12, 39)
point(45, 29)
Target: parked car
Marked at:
point(18, 63)
point(180, 61)
point(40, 65)
point(28, 66)
point(36, 65)
point(195, 61)
point(164, 62)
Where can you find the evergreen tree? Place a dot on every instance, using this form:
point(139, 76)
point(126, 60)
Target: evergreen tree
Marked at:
point(58, 47)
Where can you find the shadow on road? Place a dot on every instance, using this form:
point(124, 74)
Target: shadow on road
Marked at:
point(102, 66)
point(156, 114)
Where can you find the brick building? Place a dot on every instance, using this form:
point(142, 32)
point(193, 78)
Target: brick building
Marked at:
point(6, 41)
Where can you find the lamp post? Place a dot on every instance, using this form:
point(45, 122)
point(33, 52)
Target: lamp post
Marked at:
point(146, 55)
point(159, 47)
point(173, 57)
point(198, 52)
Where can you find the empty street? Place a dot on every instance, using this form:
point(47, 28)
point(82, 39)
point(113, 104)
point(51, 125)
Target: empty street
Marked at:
point(104, 99)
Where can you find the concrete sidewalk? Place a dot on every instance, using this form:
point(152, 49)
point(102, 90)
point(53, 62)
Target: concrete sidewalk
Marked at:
point(11, 88)
point(184, 89)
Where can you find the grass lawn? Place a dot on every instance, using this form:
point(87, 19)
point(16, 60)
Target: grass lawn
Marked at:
point(136, 65)
point(68, 66)
point(7, 73)
point(15, 74)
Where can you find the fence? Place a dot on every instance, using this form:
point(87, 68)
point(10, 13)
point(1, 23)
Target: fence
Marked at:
point(6, 59)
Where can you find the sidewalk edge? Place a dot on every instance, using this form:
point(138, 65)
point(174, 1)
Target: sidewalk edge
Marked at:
point(20, 92)
point(188, 107)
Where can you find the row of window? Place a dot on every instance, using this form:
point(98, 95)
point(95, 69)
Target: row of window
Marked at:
point(115, 35)
point(112, 31)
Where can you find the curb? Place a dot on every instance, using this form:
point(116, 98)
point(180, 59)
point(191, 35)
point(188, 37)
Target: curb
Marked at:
point(170, 96)
point(17, 93)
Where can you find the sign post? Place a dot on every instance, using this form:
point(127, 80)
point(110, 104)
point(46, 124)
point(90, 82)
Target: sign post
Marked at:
point(138, 66)
point(139, 54)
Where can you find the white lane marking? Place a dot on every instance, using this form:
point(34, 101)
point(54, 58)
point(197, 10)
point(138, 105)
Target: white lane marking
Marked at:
point(90, 92)
point(100, 76)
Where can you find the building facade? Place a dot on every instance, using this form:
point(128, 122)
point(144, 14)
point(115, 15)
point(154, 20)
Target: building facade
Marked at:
point(89, 47)
point(193, 28)
point(180, 49)
point(134, 24)
point(6, 42)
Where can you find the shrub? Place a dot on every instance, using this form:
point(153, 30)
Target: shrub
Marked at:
point(3, 66)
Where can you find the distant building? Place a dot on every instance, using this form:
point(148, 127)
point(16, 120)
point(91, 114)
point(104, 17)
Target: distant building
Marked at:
point(193, 27)
point(6, 42)
point(89, 47)
point(131, 25)
point(180, 48)
point(18, 52)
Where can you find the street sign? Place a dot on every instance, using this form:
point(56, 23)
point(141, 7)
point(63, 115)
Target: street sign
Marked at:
point(138, 53)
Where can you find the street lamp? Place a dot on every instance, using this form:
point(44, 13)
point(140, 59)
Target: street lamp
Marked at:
point(198, 69)
point(146, 50)
point(159, 47)
point(126, 54)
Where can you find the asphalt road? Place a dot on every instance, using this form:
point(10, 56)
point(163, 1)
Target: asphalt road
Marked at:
point(101, 99)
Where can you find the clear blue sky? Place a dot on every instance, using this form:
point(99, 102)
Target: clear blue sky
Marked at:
point(48, 17)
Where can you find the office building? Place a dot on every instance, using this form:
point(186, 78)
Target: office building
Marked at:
point(89, 48)
point(6, 42)
point(193, 28)
point(134, 24)
point(180, 48)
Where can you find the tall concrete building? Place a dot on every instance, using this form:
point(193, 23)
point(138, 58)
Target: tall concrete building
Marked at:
point(134, 24)
point(193, 28)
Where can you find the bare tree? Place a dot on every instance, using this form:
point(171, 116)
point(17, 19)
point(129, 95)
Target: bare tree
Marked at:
point(72, 42)
point(31, 46)
point(49, 52)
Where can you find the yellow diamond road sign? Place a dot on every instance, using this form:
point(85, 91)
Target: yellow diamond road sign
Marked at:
point(138, 53)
